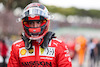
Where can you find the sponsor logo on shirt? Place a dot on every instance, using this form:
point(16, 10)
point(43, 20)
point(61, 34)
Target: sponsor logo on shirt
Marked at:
point(42, 50)
point(48, 58)
point(37, 64)
point(23, 51)
point(31, 51)
point(50, 51)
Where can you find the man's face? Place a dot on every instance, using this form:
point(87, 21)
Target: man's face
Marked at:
point(35, 23)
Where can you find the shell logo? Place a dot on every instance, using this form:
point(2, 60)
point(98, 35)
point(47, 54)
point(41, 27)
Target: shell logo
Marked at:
point(23, 52)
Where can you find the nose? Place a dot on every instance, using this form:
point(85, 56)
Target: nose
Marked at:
point(35, 24)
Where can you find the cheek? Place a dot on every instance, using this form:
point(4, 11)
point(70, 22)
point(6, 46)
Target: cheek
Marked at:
point(30, 25)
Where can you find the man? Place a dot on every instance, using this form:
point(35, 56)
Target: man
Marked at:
point(38, 47)
point(97, 54)
point(81, 49)
point(91, 48)
point(3, 52)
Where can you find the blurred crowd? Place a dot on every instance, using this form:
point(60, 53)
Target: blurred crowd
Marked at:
point(79, 47)
point(3, 53)
point(5, 48)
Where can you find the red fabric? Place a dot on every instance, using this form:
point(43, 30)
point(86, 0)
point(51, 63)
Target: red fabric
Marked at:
point(56, 55)
point(3, 49)
point(34, 30)
point(34, 18)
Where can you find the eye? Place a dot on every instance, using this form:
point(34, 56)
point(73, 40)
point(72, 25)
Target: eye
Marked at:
point(39, 22)
point(30, 22)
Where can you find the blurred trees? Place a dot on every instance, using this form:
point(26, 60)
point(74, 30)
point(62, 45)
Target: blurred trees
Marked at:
point(8, 19)
point(12, 4)
point(8, 25)
point(74, 11)
point(94, 13)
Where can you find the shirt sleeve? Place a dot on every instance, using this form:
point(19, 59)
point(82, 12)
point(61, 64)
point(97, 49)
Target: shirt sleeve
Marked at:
point(13, 60)
point(63, 57)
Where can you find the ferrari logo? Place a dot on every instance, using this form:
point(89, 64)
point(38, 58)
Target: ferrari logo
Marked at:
point(23, 51)
point(42, 50)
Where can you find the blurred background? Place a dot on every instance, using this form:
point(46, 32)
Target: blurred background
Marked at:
point(76, 22)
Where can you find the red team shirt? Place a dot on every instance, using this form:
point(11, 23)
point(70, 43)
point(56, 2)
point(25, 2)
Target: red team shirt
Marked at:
point(55, 55)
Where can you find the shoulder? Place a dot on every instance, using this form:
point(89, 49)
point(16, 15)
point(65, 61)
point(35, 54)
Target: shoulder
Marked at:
point(58, 43)
point(18, 43)
point(57, 40)
point(61, 47)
